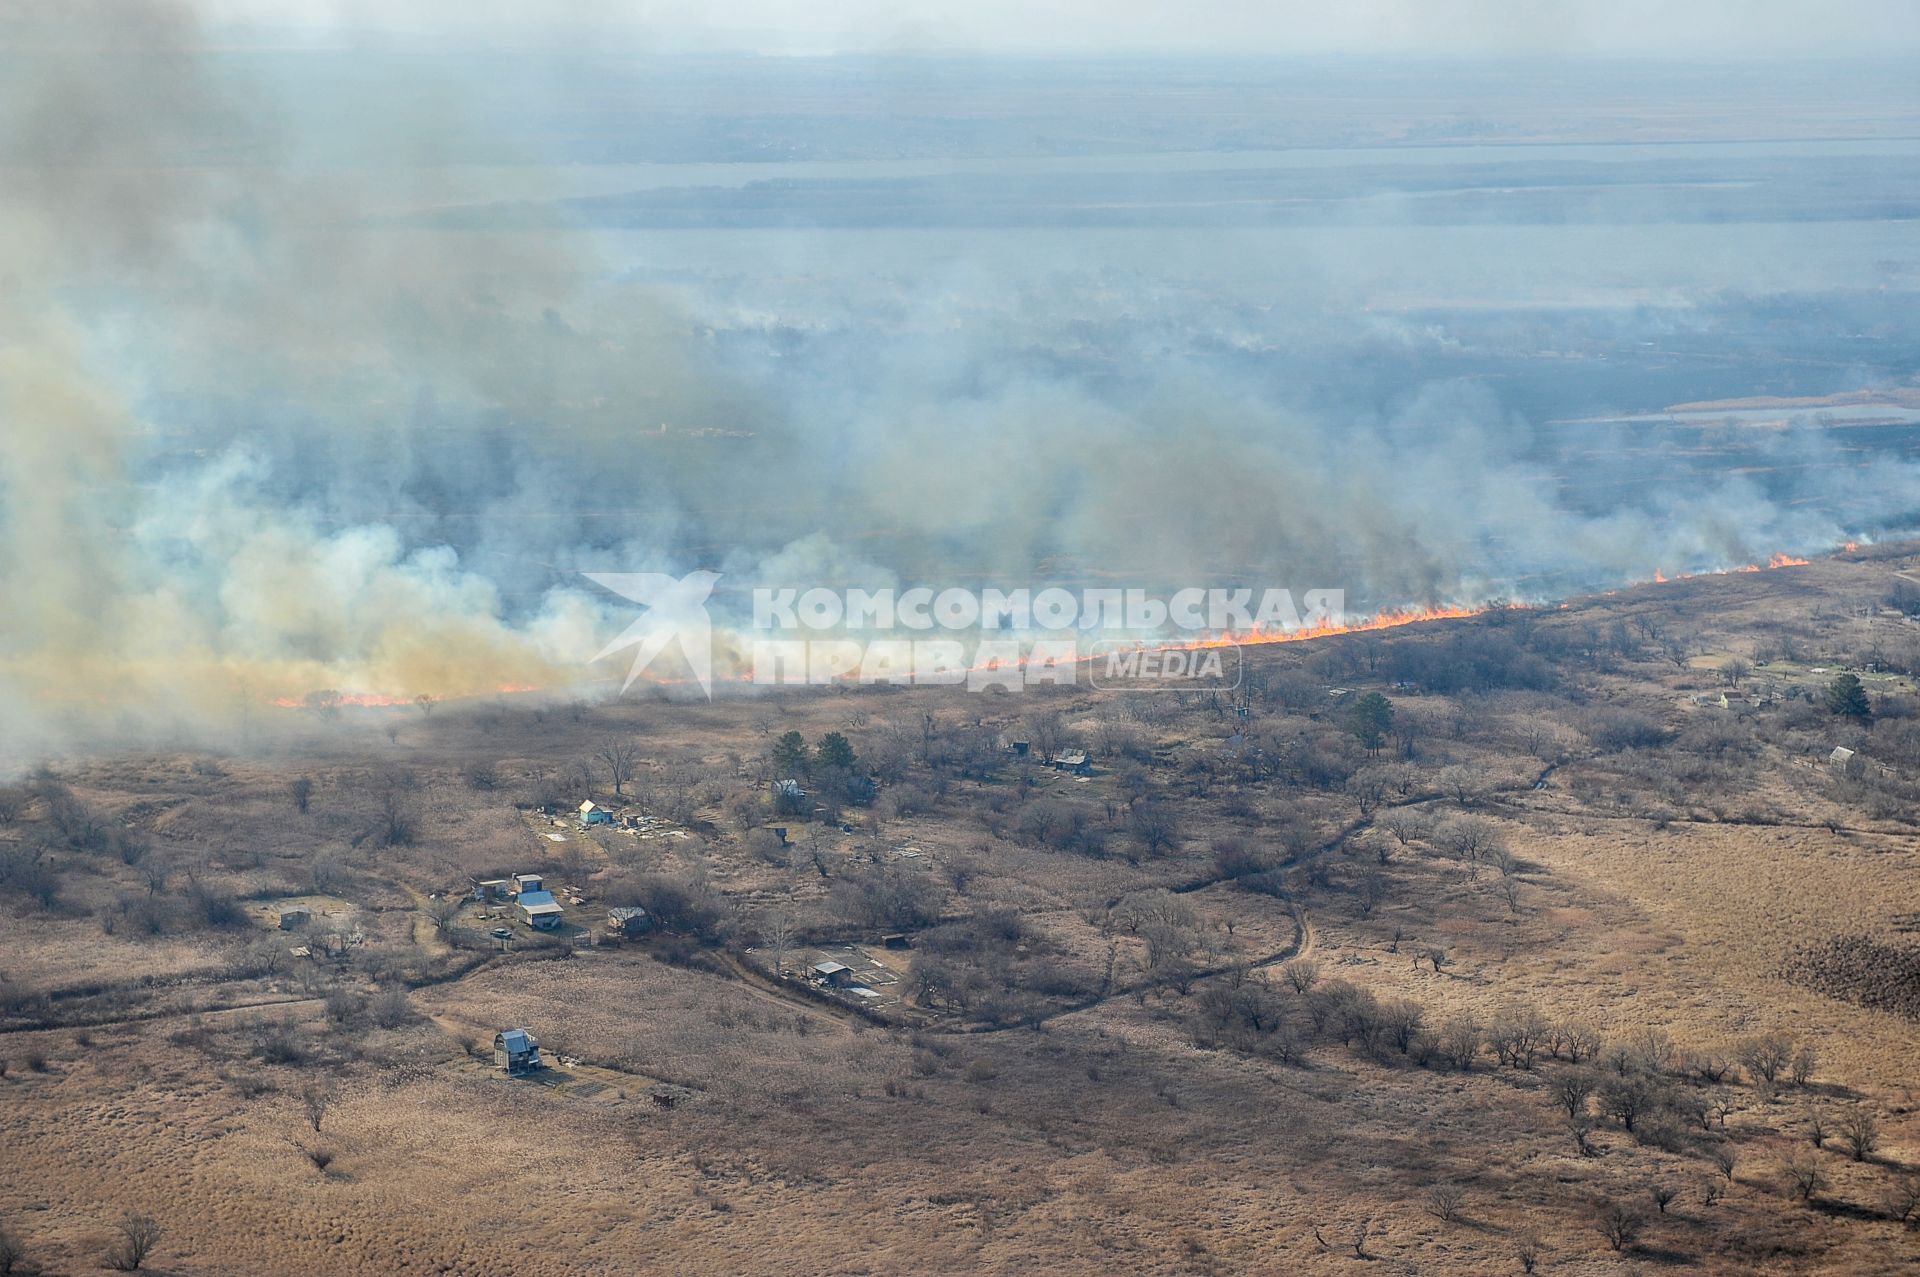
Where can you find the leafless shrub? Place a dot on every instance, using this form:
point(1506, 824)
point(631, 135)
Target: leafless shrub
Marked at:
point(12, 1253)
point(1726, 1158)
point(1620, 1224)
point(1803, 1177)
point(139, 1234)
point(1572, 1088)
point(1301, 974)
point(1859, 1131)
point(1903, 1201)
point(1444, 1202)
point(316, 1100)
point(1767, 1056)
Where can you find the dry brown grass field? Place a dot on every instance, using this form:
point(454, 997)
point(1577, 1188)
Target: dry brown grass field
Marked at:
point(1538, 982)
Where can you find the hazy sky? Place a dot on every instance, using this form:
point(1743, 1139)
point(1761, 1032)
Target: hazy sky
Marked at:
point(1679, 28)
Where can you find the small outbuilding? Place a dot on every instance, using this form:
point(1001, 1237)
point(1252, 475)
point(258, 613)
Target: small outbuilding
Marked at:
point(592, 813)
point(523, 883)
point(1840, 756)
point(493, 889)
point(293, 918)
point(517, 1051)
point(1071, 760)
point(539, 910)
point(629, 921)
point(835, 975)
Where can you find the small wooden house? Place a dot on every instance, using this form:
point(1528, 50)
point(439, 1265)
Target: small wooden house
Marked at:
point(628, 921)
point(293, 918)
point(517, 1051)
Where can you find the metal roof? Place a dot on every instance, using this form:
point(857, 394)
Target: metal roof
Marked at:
point(517, 1040)
point(620, 913)
point(831, 968)
point(537, 900)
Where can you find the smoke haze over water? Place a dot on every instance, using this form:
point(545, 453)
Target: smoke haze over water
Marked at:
point(325, 369)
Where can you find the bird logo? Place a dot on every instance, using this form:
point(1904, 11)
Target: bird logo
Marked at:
point(676, 611)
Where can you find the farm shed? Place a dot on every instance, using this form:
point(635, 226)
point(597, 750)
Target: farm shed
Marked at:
point(490, 890)
point(836, 975)
point(592, 813)
point(539, 910)
point(293, 917)
point(1071, 760)
point(517, 1051)
point(523, 883)
point(628, 920)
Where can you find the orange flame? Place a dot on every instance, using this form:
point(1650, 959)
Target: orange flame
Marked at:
point(1392, 619)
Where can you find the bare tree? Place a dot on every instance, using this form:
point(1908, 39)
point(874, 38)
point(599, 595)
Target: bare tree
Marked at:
point(11, 1253)
point(1626, 1099)
point(300, 790)
point(1765, 1057)
point(1444, 1202)
point(619, 757)
point(1465, 785)
point(1903, 1201)
point(1803, 1176)
point(1572, 1088)
point(779, 935)
point(1859, 1131)
point(397, 822)
point(1726, 1159)
point(1526, 1252)
point(1460, 1042)
point(139, 1234)
point(1620, 1224)
point(316, 1099)
point(1301, 973)
point(1663, 1195)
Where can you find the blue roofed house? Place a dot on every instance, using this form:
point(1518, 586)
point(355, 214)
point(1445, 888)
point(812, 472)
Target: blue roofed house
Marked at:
point(517, 1051)
point(539, 910)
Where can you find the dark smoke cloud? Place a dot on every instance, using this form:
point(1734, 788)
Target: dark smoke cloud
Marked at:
point(268, 429)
